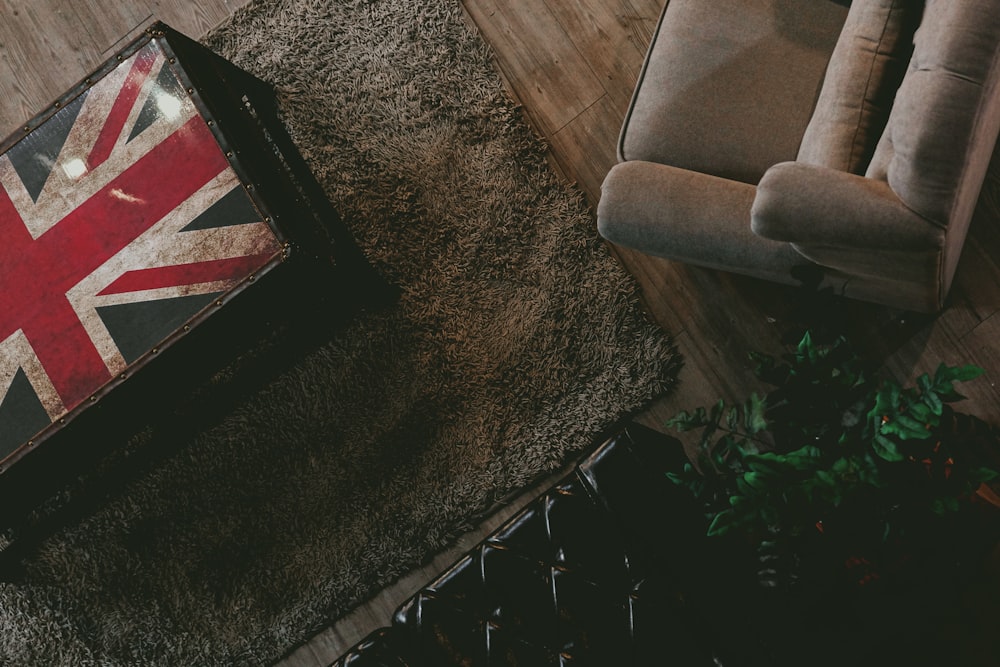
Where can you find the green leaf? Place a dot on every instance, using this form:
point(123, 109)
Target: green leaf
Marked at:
point(944, 505)
point(755, 480)
point(886, 448)
point(805, 349)
point(868, 471)
point(933, 402)
point(753, 414)
point(684, 421)
point(768, 463)
point(733, 419)
point(718, 460)
point(743, 447)
point(959, 373)
point(842, 467)
point(706, 437)
point(946, 375)
point(705, 461)
point(723, 522)
point(715, 416)
point(983, 474)
point(886, 402)
point(906, 427)
point(803, 458)
point(922, 413)
point(825, 477)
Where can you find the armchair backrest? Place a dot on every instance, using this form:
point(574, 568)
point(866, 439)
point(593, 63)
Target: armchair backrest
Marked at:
point(863, 75)
point(912, 98)
point(944, 123)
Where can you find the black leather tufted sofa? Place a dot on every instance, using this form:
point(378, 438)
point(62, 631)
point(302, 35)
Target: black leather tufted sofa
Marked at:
point(578, 577)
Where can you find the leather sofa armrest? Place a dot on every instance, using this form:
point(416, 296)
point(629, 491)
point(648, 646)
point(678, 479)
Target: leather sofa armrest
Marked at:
point(808, 205)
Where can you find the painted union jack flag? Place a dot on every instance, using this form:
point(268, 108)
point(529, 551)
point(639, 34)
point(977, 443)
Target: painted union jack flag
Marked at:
point(121, 220)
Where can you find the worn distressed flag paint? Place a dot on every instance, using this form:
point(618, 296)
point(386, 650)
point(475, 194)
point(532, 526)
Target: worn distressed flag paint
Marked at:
point(121, 222)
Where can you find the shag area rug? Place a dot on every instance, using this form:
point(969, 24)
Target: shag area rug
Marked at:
point(516, 338)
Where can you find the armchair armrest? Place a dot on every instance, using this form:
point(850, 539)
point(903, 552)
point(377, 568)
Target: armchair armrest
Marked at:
point(808, 205)
point(691, 217)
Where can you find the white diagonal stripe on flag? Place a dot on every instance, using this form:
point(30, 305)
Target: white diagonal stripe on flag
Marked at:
point(163, 245)
point(67, 187)
point(16, 354)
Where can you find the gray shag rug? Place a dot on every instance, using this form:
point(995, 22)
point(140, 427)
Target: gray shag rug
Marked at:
point(515, 340)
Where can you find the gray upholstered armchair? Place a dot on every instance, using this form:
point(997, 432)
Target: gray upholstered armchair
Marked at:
point(769, 134)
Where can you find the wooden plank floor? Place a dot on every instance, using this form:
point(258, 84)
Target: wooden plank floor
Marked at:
point(46, 46)
point(572, 64)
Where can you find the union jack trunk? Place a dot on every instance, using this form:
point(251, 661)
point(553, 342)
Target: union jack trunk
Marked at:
point(131, 211)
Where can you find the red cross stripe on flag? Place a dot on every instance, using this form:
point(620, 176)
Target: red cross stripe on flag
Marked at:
point(121, 220)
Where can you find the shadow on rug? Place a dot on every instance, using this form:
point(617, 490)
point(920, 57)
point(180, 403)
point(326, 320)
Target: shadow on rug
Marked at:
point(515, 340)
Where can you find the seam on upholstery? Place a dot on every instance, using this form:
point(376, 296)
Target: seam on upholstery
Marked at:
point(868, 84)
point(993, 77)
point(940, 294)
point(942, 226)
point(639, 81)
point(987, 94)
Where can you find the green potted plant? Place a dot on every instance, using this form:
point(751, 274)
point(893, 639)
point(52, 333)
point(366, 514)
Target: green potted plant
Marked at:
point(839, 476)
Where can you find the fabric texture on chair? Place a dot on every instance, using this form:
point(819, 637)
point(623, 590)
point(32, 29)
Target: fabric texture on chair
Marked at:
point(865, 70)
point(933, 155)
point(944, 125)
point(886, 170)
point(704, 113)
point(707, 216)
